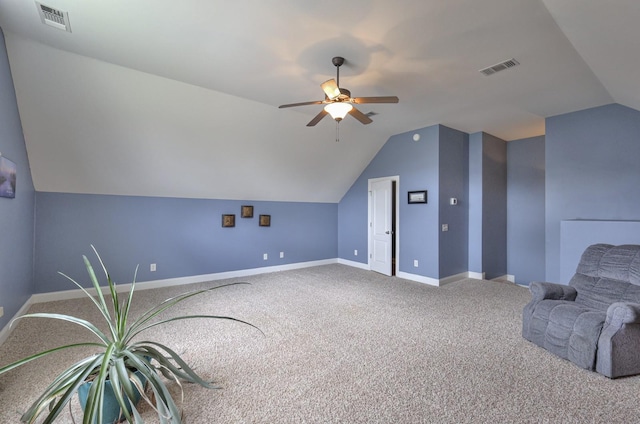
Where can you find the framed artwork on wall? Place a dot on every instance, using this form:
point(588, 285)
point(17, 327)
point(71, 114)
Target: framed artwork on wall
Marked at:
point(247, 211)
point(228, 220)
point(7, 178)
point(417, 196)
point(265, 220)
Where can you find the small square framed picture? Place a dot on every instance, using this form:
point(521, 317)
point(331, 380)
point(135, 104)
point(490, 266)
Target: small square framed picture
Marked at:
point(265, 220)
point(228, 220)
point(247, 211)
point(417, 196)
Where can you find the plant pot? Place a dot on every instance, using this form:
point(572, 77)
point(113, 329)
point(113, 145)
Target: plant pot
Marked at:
point(110, 408)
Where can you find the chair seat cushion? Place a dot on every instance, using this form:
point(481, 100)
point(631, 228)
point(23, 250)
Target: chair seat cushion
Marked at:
point(539, 319)
point(572, 333)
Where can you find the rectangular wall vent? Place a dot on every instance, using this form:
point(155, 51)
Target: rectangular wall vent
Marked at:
point(53, 17)
point(499, 67)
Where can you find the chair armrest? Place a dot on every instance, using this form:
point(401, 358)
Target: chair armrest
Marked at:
point(620, 313)
point(541, 290)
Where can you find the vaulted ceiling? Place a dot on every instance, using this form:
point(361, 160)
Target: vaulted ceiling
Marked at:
point(180, 99)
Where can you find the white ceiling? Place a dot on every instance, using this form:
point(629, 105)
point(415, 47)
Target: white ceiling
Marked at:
point(179, 99)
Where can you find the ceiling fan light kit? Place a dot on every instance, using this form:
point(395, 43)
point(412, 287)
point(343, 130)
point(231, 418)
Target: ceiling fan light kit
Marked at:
point(338, 101)
point(338, 110)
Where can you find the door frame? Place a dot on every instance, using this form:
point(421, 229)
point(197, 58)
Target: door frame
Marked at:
point(396, 221)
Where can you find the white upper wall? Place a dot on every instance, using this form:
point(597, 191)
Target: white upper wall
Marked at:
point(180, 99)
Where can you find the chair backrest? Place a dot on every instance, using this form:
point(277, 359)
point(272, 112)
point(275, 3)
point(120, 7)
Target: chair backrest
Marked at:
point(608, 274)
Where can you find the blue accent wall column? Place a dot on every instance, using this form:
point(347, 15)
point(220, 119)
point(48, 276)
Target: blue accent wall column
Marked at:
point(488, 205)
point(184, 237)
point(454, 182)
point(592, 171)
point(494, 207)
point(526, 209)
point(17, 214)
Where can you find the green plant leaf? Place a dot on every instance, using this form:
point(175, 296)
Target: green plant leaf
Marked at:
point(23, 361)
point(119, 391)
point(122, 330)
point(166, 304)
point(95, 397)
point(168, 369)
point(165, 405)
point(82, 322)
point(110, 283)
point(183, 370)
point(121, 374)
point(71, 389)
point(118, 356)
point(102, 307)
point(140, 330)
point(96, 285)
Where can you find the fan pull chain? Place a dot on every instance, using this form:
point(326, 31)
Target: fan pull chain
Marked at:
point(337, 131)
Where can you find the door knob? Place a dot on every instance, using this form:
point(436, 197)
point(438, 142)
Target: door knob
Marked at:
point(386, 232)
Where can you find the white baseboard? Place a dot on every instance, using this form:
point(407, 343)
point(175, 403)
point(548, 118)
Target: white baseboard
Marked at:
point(456, 277)
point(146, 285)
point(476, 275)
point(419, 278)
point(6, 330)
point(354, 264)
point(180, 281)
point(512, 278)
point(507, 277)
point(442, 281)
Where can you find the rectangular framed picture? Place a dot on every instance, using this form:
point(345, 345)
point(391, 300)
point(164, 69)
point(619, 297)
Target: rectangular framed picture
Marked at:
point(228, 220)
point(265, 220)
point(417, 196)
point(247, 212)
point(7, 178)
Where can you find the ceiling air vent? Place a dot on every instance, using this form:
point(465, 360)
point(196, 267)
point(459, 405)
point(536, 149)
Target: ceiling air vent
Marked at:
point(499, 67)
point(54, 17)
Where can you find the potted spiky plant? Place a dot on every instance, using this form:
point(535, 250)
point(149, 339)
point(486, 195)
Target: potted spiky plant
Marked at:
point(122, 364)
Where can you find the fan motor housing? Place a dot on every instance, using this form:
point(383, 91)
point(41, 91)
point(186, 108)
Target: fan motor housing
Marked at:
point(344, 94)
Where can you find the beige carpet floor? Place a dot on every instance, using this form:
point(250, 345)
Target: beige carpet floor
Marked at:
point(343, 345)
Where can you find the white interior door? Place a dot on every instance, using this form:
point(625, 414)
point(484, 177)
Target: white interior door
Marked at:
point(380, 226)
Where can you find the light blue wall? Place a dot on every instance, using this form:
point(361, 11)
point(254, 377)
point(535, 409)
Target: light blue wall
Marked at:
point(416, 163)
point(454, 182)
point(475, 202)
point(592, 171)
point(438, 163)
point(580, 234)
point(16, 215)
point(526, 209)
point(184, 237)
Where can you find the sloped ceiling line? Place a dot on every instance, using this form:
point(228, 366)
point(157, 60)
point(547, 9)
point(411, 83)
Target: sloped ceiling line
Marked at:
point(180, 100)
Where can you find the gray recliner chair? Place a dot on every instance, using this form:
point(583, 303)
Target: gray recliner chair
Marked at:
point(593, 322)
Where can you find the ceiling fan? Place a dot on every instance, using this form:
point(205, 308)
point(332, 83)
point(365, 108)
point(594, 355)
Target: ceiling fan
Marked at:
point(338, 101)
